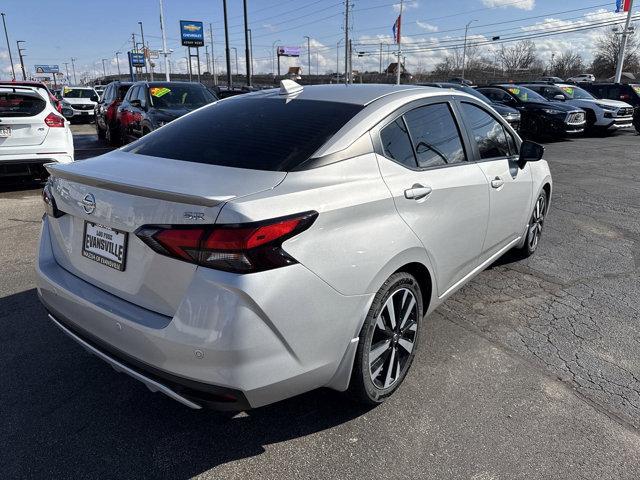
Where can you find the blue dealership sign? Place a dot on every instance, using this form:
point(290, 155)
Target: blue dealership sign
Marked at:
point(47, 68)
point(191, 33)
point(136, 59)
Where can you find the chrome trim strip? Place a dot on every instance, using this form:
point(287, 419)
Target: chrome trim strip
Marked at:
point(151, 384)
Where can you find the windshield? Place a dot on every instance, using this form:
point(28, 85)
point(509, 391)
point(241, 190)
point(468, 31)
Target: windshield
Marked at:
point(474, 92)
point(577, 93)
point(78, 93)
point(180, 96)
point(20, 104)
point(275, 134)
point(525, 95)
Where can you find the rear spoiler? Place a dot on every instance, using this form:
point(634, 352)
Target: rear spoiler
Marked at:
point(139, 190)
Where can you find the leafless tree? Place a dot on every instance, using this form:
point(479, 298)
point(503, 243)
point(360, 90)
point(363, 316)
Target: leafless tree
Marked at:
point(567, 64)
point(520, 56)
point(607, 52)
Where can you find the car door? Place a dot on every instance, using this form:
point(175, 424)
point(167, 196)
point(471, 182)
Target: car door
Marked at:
point(510, 188)
point(101, 107)
point(138, 111)
point(125, 112)
point(442, 196)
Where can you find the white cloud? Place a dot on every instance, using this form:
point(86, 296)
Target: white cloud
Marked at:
point(427, 26)
point(520, 4)
point(406, 6)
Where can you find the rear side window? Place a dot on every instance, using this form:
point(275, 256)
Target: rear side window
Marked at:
point(397, 144)
point(122, 91)
point(272, 133)
point(487, 132)
point(435, 136)
point(20, 104)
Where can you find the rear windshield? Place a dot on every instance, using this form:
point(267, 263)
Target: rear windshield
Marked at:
point(274, 134)
point(20, 104)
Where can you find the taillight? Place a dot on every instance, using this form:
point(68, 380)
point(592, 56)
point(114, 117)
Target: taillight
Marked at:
point(239, 248)
point(53, 120)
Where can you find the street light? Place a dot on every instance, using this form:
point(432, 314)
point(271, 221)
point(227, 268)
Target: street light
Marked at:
point(338, 59)
point(6, 34)
point(118, 62)
point(144, 47)
point(236, 54)
point(20, 50)
point(104, 69)
point(73, 69)
point(464, 50)
point(273, 57)
point(308, 52)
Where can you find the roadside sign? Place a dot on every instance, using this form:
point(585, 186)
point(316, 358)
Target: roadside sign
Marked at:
point(191, 33)
point(47, 68)
point(136, 59)
point(153, 53)
point(289, 51)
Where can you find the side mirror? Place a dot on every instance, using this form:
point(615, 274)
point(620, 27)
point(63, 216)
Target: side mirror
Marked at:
point(530, 152)
point(560, 98)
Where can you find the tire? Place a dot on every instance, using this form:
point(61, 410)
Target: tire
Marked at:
point(112, 136)
point(100, 132)
point(536, 224)
point(389, 336)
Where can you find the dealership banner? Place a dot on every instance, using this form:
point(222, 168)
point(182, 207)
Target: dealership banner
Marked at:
point(47, 68)
point(191, 33)
point(289, 51)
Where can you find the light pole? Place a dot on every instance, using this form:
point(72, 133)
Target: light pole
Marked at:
point(235, 50)
point(66, 66)
point(6, 34)
point(73, 69)
point(165, 54)
point(623, 44)
point(464, 49)
point(338, 59)
point(24, 74)
point(144, 51)
point(104, 69)
point(118, 63)
point(273, 57)
point(308, 53)
point(251, 50)
point(213, 56)
point(246, 45)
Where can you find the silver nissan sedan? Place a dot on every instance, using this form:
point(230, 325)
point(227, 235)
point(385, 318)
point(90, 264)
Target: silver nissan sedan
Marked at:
point(289, 239)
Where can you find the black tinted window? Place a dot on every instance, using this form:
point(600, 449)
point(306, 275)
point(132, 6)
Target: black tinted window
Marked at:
point(273, 133)
point(396, 143)
point(435, 135)
point(487, 132)
point(13, 104)
point(122, 91)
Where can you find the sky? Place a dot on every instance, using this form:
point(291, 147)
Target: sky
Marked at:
point(91, 30)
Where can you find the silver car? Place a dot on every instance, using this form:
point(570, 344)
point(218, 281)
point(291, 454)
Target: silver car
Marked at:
point(277, 242)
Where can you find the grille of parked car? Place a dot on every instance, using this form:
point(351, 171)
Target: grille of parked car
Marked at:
point(625, 111)
point(576, 118)
point(83, 106)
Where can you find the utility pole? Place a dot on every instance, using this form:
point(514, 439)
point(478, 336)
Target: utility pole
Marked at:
point(273, 50)
point(144, 51)
point(104, 69)
point(380, 69)
point(623, 44)
point(118, 63)
point(251, 49)
point(338, 59)
point(66, 66)
point(308, 53)
point(165, 54)
point(206, 56)
point(73, 69)
point(226, 43)
point(213, 56)
point(246, 45)
point(235, 50)
point(464, 49)
point(6, 34)
point(399, 65)
point(350, 61)
point(346, 42)
point(24, 74)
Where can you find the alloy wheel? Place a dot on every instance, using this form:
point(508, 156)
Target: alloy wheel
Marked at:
point(393, 338)
point(537, 222)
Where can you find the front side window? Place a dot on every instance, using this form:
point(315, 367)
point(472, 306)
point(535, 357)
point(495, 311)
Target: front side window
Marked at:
point(487, 132)
point(435, 136)
point(397, 144)
point(260, 133)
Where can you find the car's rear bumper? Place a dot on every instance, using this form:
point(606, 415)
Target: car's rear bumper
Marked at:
point(252, 339)
point(28, 164)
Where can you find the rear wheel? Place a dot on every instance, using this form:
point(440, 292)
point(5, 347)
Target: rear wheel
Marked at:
point(99, 131)
point(388, 340)
point(112, 136)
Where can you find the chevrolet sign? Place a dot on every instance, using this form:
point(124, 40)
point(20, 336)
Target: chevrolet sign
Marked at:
point(191, 33)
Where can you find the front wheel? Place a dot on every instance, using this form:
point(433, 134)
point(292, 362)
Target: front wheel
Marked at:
point(536, 223)
point(388, 340)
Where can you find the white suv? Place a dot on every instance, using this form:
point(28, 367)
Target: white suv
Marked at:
point(79, 102)
point(32, 132)
point(583, 77)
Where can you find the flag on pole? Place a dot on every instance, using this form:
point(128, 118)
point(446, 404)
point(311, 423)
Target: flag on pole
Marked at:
point(623, 5)
point(397, 25)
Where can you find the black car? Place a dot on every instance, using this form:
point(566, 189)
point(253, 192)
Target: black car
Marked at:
point(626, 92)
point(149, 105)
point(540, 117)
point(106, 111)
point(510, 114)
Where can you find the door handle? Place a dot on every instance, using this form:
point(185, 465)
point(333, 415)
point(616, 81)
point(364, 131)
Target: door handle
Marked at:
point(497, 182)
point(417, 192)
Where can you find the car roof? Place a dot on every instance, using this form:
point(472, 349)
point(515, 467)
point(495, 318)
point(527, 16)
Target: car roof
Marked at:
point(358, 94)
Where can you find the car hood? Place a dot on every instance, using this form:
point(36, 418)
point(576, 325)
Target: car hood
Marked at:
point(77, 101)
point(562, 106)
point(609, 103)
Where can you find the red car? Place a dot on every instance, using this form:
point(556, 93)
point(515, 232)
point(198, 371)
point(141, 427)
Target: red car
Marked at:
point(39, 85)
point(107, 123)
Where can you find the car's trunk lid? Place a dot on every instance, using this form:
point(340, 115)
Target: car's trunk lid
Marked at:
point(123, 191)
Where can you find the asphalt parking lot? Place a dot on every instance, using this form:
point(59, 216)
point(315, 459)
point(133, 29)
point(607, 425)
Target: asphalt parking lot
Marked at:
point(531, 371)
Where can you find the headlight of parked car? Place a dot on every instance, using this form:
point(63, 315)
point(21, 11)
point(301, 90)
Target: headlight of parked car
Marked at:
point(552, 111)
point(605, 107)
